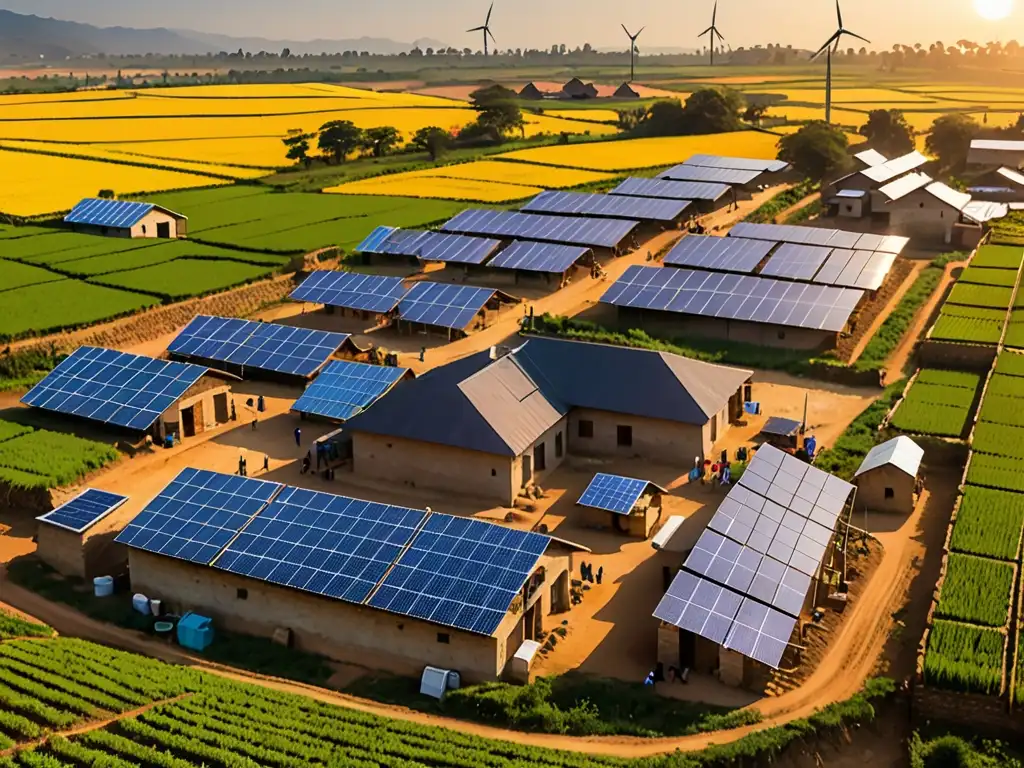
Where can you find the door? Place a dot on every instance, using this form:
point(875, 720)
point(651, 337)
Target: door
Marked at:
point(527, 469)
point(539, 458)
point(188, 422)
point(163, 229)
point(687, 649)
point(220, 408)
point(714, 429)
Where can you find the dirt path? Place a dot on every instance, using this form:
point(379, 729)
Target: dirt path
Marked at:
point(882, 316)
point(798, 206)
point(901, 356)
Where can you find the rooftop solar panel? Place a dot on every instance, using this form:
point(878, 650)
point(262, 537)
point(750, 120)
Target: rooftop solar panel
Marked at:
point(722, 254)
point(374, 241)
point(197, 515)
point(108, 213)
point(84, 511)
point(612, 206)
point(741, 163)
point(444, 305)
point(835, 238)
point(328, 545)
point(760, 632)
point(461, 573)
point(351, 290)
point(573, 230)
point(539, 257)
point(613, 493)
point(798, 262)
point(113, 387)
point(262, 346)
point(734, 297)
point(672, 190)
point(699, 606)
point(687, 172)
point(430, 246)
point(345, 388)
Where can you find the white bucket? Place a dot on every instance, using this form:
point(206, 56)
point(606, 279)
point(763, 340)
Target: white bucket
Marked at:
point(154, 606)
point(103, 586)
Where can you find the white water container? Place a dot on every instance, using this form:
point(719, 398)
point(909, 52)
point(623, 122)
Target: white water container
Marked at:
point(103, 586)
point(155, 606)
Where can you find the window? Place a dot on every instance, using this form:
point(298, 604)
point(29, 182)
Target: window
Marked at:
point(624, 435)
point(143, 229)
point(782, 334)
point(890, 493)
point(559, 448)
point(586, 428)
point(921, 205)
point(242, 593)
point(443, 637)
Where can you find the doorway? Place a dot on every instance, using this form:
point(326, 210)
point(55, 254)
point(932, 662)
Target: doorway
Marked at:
point(687, 649)
point(540, 458)
point(188, 422)
point(163, 229)
point(714, 429)
point(220, 408)
point(527, 469)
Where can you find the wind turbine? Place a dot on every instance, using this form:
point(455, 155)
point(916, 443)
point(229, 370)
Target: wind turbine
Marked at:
point(486, 28)
point(713, 32)
point(632, 48)
point(831, 45)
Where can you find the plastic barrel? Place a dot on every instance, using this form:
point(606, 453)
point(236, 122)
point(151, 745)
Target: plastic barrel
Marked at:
point(103, 586)
point(155, 606)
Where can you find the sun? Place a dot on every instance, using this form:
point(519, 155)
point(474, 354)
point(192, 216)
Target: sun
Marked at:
point(993, 10)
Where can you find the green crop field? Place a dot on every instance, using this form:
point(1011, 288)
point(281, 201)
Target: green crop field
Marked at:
point(43, 459)
point(950, 327)
point(963, 658)
point(1006, 278)
point(10, 430)
point(989, 523)
point(1015, 333)
point(962, 397)
point(936, 409)
point(1002, 409)
point(12, 627)
point(948, 378)
point(1000, 439)
point(14, 275)
point(976, 591)
point(184, 278)
point(51, 249)
point(980, 296)
point(999, 256)
point(1009, 386)
point(996, 472)
point(1011, 364)
point(161, 254)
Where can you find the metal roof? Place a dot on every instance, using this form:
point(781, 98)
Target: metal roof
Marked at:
point(948, 195)
point(896, 167)
point(113, 213)
point(871, 157)
point(905, 185)
point(1012, 175)
point(901, 452)
point(737, 163)
point(982, 211)
point(663, 539)
point(854, 194)
point(998, 144)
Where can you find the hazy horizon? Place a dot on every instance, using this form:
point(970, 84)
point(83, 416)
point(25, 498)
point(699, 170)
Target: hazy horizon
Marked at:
point(573, 22)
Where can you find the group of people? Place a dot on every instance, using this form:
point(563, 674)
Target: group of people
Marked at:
point(675, 675)
point(587, 573)
point(711, 472)
point(243, 465)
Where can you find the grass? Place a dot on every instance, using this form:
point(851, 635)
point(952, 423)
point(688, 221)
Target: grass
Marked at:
point(43, 459)
point(976, 591)
point(787, 198)
point(12, 626)
point(964, 658)
point(185, 278)
point(989, 523)
point(14, 275)
point(845, 456)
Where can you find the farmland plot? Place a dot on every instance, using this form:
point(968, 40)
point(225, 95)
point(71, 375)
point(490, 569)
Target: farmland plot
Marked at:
point(996, 472)
point(12, 626)
point(1000, 439)
point(980, 296)
point(961, 397)
point(164, 252)
point(14, 275)
point(946, 378)
point(51, 459)
point(1011, 364)
point(951, 327)
point(1015, 331)
point(1009, 386)
point(1003, 409)
point(929, 419)
point(964, 658)
point(1006, 278)
point(989, 523)
point(184, 278)
point(999, 256)
point(976, 591)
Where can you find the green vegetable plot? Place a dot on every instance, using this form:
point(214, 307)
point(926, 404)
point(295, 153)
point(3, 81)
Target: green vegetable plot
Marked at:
point(989, 523)
point(963, 658)
point(976, 591)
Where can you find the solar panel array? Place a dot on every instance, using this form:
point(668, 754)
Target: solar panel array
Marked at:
point(429, 246)
point(723, 254)
point(443, 305)
point(328, 545)
point(374, 241)
point(460, 572)
point(197, 515)
point(613, 206)
point(572, 230)
point(264, 346)
point(746, 580)
point(734, 297)
point(732, 176)
point(345, 388)
point(856, 269)
point(798, 262)
point(539, 257)
point(107, 213)
point(113, 387)
point(739, 163)
point(671, 190)
point(834, 238)
point(84, 511)
point(613, 493)
point(351, 290)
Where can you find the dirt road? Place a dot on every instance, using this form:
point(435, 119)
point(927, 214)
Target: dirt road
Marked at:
point(901, 356)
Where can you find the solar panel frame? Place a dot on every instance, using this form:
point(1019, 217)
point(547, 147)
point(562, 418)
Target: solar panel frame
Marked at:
point(635, 186)
point(718, 253)
point(571, 230)
point(796, 262)
point(112, 387)
point(345, 388)
point(443, 305)
point(608, 206)
point(531, 256)
point(351, 290)
point(613, 493)
point(84, 511)
point(757, 633)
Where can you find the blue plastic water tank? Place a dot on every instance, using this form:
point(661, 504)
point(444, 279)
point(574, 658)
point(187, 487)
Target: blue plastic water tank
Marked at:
point(195, 632)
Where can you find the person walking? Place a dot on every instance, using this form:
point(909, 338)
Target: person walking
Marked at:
point(254, 424)
point(241, 466)
point(600, 574)
point(245, 467)
point(266, 463)
point(298, 437)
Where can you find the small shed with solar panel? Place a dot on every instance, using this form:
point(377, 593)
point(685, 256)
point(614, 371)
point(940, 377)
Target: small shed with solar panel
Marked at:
point(126, 218)
point(76, 538)
point(624, 504)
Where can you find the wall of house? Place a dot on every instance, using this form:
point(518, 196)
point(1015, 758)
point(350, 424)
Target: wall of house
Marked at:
point(202, 398)
point(670, 325)
point(427, 465)
point(921, 214)
point(871, 488)
point(995, 158)
point(147, 227)
point(61, 549)
point(655, 439)
point(551, 460)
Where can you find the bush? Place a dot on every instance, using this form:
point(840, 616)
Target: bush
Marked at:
point(845, 457)
point(951, 751)
point(767, 212)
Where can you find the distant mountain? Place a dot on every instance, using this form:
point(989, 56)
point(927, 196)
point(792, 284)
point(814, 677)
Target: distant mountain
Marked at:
point(33, 37)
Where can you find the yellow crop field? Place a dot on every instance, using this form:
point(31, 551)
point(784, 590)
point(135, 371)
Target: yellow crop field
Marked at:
point(590, 115)
point(846, 95)
point(437, 187)
point(46, 184)
point(547, 176)
point(258, 153)
point(649, 153)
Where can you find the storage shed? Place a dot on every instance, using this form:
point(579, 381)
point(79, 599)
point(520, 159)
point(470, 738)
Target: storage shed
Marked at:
point(888, 478)
point(125, 218)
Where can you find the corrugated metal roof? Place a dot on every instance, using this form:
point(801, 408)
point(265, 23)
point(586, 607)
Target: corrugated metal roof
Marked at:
point(871, 157)
point(983, 211)
point(853, 194)
point(901, 452)
point(896, 167)
point(905, 185)
point(948, 195)
point(1012, 175)
point(998, 144)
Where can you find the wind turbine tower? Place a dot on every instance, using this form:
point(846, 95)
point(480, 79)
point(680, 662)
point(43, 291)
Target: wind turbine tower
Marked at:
point(632, 49)
point(713, 32)
point(831, 46)
point(486, 29)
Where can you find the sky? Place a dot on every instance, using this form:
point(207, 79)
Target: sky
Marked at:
point(539, 23)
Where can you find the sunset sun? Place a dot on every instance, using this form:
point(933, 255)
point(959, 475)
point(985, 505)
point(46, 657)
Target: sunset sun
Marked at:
point(993, 10)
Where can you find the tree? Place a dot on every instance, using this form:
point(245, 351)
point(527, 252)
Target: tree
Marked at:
point(339, 138)
point(498, 110)
point(710, 110)
point(817, 151)
point(381, 140)
point(298, 147)
point(432, 140)
point(888, 131)
point(950, 140)
point(755, 113)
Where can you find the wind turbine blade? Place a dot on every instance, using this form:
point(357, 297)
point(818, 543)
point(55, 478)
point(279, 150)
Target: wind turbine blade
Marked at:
point(489, 10)
point(721, 37)
point(627, 32)
point(826, 46)
point(638, 33)
point(714, 13)
point(854, 34)
point(488, 31)
point(839, 14)
point(705, 32)
point(474, 29)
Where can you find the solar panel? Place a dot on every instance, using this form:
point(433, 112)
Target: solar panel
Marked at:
point(345, 388)
point(108, 213)
point(84, 511)
point(328, 545)
point(539, 257)
point(461, 573)
point(687, 172)
point(443, 305)
point(760, 632)
point(835, 238)
point(672, 190)
point(113, 387)
point(429, 246)
point(722, 254)
point(351, 290)
point(572, 230)
point(734, 297)
point(724, 561)
point(798, 262)
point(196, 516)
point(374, 241)
point(699, 606)
point(613, 493)
point(741, 163)
point(263, 346)
point(622, 207)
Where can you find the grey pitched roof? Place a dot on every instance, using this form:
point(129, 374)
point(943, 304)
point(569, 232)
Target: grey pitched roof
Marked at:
point(502, 406)
point(901, 452)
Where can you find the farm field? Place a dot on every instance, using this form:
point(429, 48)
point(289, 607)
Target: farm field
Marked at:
point(976, 591)
point(1002, 409)
point(980, 296)
point(1015, 330)
point(989, 523)
point(14, 275)
point(998, 256)
point(37, 458)
point(1010, 364)
point(964, 658)
point(440, 187)
point(940, 408)
point(1006, 278)
point(1000, 439)
point(955, 323)
point(184, 278)
point(998, 472)
point(12, 627)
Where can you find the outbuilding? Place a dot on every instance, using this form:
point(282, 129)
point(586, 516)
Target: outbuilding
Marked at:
point(917, 206)
point(77, 538)
point(124, 218)
point(995, 153)
point(888, 479)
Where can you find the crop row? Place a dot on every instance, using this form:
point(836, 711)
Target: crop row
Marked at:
point(935, 409)
point(954, 327)
point(1011, 364)
point(946, 378)
point(988, 523)
point(998, 256)
point(976, 590)
point(13, 626)
point(1000, 439)
point(1006, 278)
point(964, 658)
point(968, 295)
